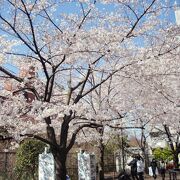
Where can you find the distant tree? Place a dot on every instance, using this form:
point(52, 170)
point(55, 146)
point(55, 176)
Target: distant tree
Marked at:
point(163, 154)
point(115, 143)
point(174, 143)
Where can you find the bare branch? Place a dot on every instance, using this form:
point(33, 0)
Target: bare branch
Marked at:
point(18, 35)
point(139, 18)
point(129, 7)
point(53, 22)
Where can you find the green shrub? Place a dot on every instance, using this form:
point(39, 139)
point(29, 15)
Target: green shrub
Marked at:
point(26, 165)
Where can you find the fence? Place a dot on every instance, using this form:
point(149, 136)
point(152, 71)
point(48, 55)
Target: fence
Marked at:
point(7, 160)
point(7, 163)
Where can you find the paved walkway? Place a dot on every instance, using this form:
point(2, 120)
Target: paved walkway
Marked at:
point(146, 177)
point(159, 178)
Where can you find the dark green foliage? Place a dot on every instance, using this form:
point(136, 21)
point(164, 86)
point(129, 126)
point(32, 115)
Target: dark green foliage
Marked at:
point(163, 154)
point(114, 145)
point(27, 159)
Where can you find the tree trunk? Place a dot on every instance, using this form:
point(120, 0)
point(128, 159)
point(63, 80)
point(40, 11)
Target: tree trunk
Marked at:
point(59, 154)
point(60, 166)
point(101, 164)
point(146, 160)
point(176, 159)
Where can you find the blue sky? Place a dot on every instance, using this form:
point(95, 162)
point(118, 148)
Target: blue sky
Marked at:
point(74, 7)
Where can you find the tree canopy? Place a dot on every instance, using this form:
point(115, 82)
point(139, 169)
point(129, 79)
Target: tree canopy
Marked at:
point(59, 56)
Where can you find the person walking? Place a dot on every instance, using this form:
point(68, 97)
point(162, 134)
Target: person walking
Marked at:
point(140, 167)
point(162, 166)
point(154, 168)
point(133, 165)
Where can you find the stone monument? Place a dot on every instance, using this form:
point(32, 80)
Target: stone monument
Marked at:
point(46, 166)
point(86, 166)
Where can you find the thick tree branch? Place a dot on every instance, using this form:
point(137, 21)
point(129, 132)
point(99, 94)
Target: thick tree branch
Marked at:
point(4, 138)
point(73, 138)
point(104, 80)
point(35, 42)
point(166, 128)
point(83, 86)
point(10, 74)
point(33, 90)
point(125, 127)
point(41, 139)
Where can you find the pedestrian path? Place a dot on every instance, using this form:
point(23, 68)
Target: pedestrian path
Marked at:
point(159, 177)
point(146, 177)
point(114, 176)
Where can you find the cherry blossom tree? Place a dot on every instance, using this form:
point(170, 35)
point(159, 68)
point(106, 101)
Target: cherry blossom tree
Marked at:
point(101, 111)
point(159, 100)
point(57, 49)
point(154, 92)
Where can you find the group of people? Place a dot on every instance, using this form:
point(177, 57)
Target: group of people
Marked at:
point(137, 168)
point(154, 168)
